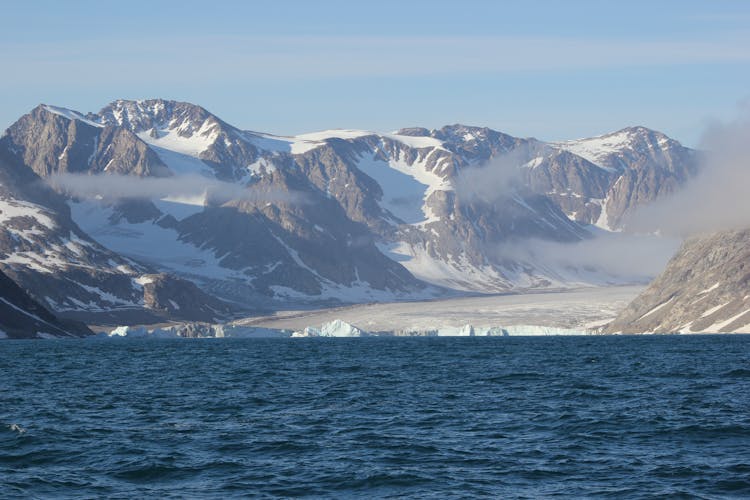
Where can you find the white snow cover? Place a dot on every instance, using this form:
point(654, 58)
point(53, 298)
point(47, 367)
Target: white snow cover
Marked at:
point(260, 167)
point(181, 207)
point(193, 145)
point(405, 189)
point(534, 162)
point(416, 142)
point(718, 326)
point(459, 274)
point(71, 115)
point(164, 247)
point(597, 149)
point(603, 221)
point(144, 280)
point(303, 143)
point(181, 163)
point(712, 310)
point(657, 308)
point(10, 209)
point(711, 288)
point(572, 311)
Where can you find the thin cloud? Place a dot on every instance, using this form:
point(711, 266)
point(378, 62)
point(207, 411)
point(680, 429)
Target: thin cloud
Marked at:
point(115, 187)
point(232, 58)
point(719, 197)
point(492, 182)
point(608, 257)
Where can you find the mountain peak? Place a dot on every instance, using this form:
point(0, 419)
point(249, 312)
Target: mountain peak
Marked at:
point(413, 132)
point(639, 132)
point(66, 113)
point(147, 114)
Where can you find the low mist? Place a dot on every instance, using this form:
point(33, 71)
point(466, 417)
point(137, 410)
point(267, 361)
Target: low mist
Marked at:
point(493, 181)
point(718, 197)
point(115, 187)
point(618, 257)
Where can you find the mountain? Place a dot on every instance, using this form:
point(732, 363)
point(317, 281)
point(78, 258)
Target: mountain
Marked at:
point(704, 289)
point(48, 254)
point(22, 317)
point(644, 165)
point(335, 216)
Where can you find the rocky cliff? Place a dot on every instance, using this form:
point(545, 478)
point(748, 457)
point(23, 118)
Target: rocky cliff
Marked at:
point(21, 317)
point(704, 289)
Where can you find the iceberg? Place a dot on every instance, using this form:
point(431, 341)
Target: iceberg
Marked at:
point(339, 328)
point(335, 328)
point(469, 330)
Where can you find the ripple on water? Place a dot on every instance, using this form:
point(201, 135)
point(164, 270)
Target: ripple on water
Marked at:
point(428, 418)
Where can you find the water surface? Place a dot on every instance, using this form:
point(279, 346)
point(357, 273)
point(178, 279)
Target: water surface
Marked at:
point(376, 417)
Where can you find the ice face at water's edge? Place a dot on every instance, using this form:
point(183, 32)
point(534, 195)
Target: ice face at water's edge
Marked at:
point(335, 328)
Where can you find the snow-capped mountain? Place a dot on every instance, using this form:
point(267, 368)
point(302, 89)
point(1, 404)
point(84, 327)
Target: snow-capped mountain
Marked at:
point(344, 215)
point(48, 254)
point(704, 289)
point(643, 164)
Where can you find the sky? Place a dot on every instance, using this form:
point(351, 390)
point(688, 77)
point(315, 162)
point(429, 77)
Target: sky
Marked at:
point(548, 69)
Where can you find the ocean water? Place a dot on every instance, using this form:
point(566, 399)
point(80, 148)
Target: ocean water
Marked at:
point(518, 417)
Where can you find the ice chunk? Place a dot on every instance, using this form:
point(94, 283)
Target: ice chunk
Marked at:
point(128, 331)
point(339, 328)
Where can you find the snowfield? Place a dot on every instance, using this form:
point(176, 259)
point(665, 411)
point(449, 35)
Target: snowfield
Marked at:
point(566, 312)
point(570, 312)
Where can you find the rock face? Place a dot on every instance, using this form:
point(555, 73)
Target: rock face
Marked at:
point(329, 217)
point(51, 140)
point(177, 298)
point(704, 289)
point(21, 317)
point(644, 165)
point(61, 266)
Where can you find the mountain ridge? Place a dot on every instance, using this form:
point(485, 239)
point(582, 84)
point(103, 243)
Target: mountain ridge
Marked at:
point(412, 214)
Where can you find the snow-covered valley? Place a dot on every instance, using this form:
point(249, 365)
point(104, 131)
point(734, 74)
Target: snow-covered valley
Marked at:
point(568, 312)
point(581, 310)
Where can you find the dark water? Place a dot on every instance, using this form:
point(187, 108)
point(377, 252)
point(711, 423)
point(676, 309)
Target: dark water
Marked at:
point(389, 417)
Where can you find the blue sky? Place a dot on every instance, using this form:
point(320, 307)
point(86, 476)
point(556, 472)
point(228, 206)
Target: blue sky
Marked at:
point(550, 69)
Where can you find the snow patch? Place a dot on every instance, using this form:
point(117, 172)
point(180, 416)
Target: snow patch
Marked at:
point(404, 194)
point(710, 289)
point(176, 140)
point(144, 280)
point(712, 310)
point(719, 326)
point(149, 242)
point(11, 209)
point(657, 308)
point(598, 149)
point(71, 115)
point(416, 142)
